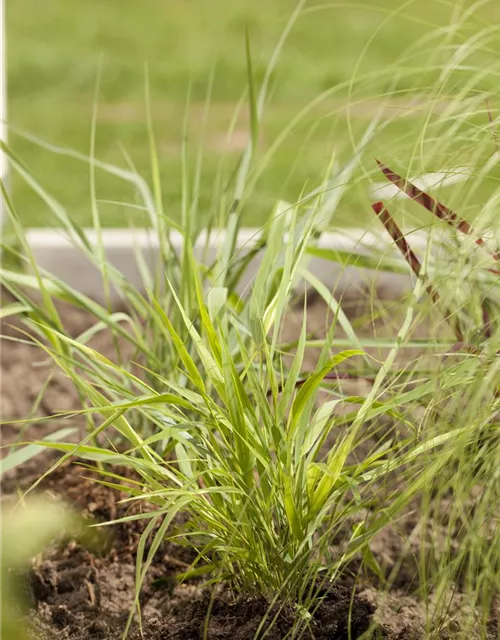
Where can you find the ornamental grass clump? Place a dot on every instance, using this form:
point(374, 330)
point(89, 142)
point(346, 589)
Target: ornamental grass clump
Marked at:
point(459, 533)
point(250, 447)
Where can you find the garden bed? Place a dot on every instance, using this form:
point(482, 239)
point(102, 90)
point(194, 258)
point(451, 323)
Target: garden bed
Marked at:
point(81, 594)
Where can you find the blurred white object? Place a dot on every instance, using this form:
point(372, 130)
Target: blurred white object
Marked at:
point(388, 191)
point(3, 99)
point(55, 253)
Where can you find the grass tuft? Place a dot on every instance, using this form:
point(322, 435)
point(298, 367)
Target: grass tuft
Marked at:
point(248, 442)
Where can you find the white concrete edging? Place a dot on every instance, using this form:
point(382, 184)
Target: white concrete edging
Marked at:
point(57, 254)
point(3, 101)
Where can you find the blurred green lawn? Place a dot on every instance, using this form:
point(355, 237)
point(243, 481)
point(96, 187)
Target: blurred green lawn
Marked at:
point(56, 48)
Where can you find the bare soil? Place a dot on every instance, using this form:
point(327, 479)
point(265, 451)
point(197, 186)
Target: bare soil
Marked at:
point(79, 594)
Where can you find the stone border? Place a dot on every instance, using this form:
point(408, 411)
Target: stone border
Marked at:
point(57, 254)
point(3, 97)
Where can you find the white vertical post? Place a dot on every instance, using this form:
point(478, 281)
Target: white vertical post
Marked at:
point(3, 98)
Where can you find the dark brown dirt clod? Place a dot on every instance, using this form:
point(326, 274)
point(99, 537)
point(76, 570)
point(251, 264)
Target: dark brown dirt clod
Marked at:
point(339, 617)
